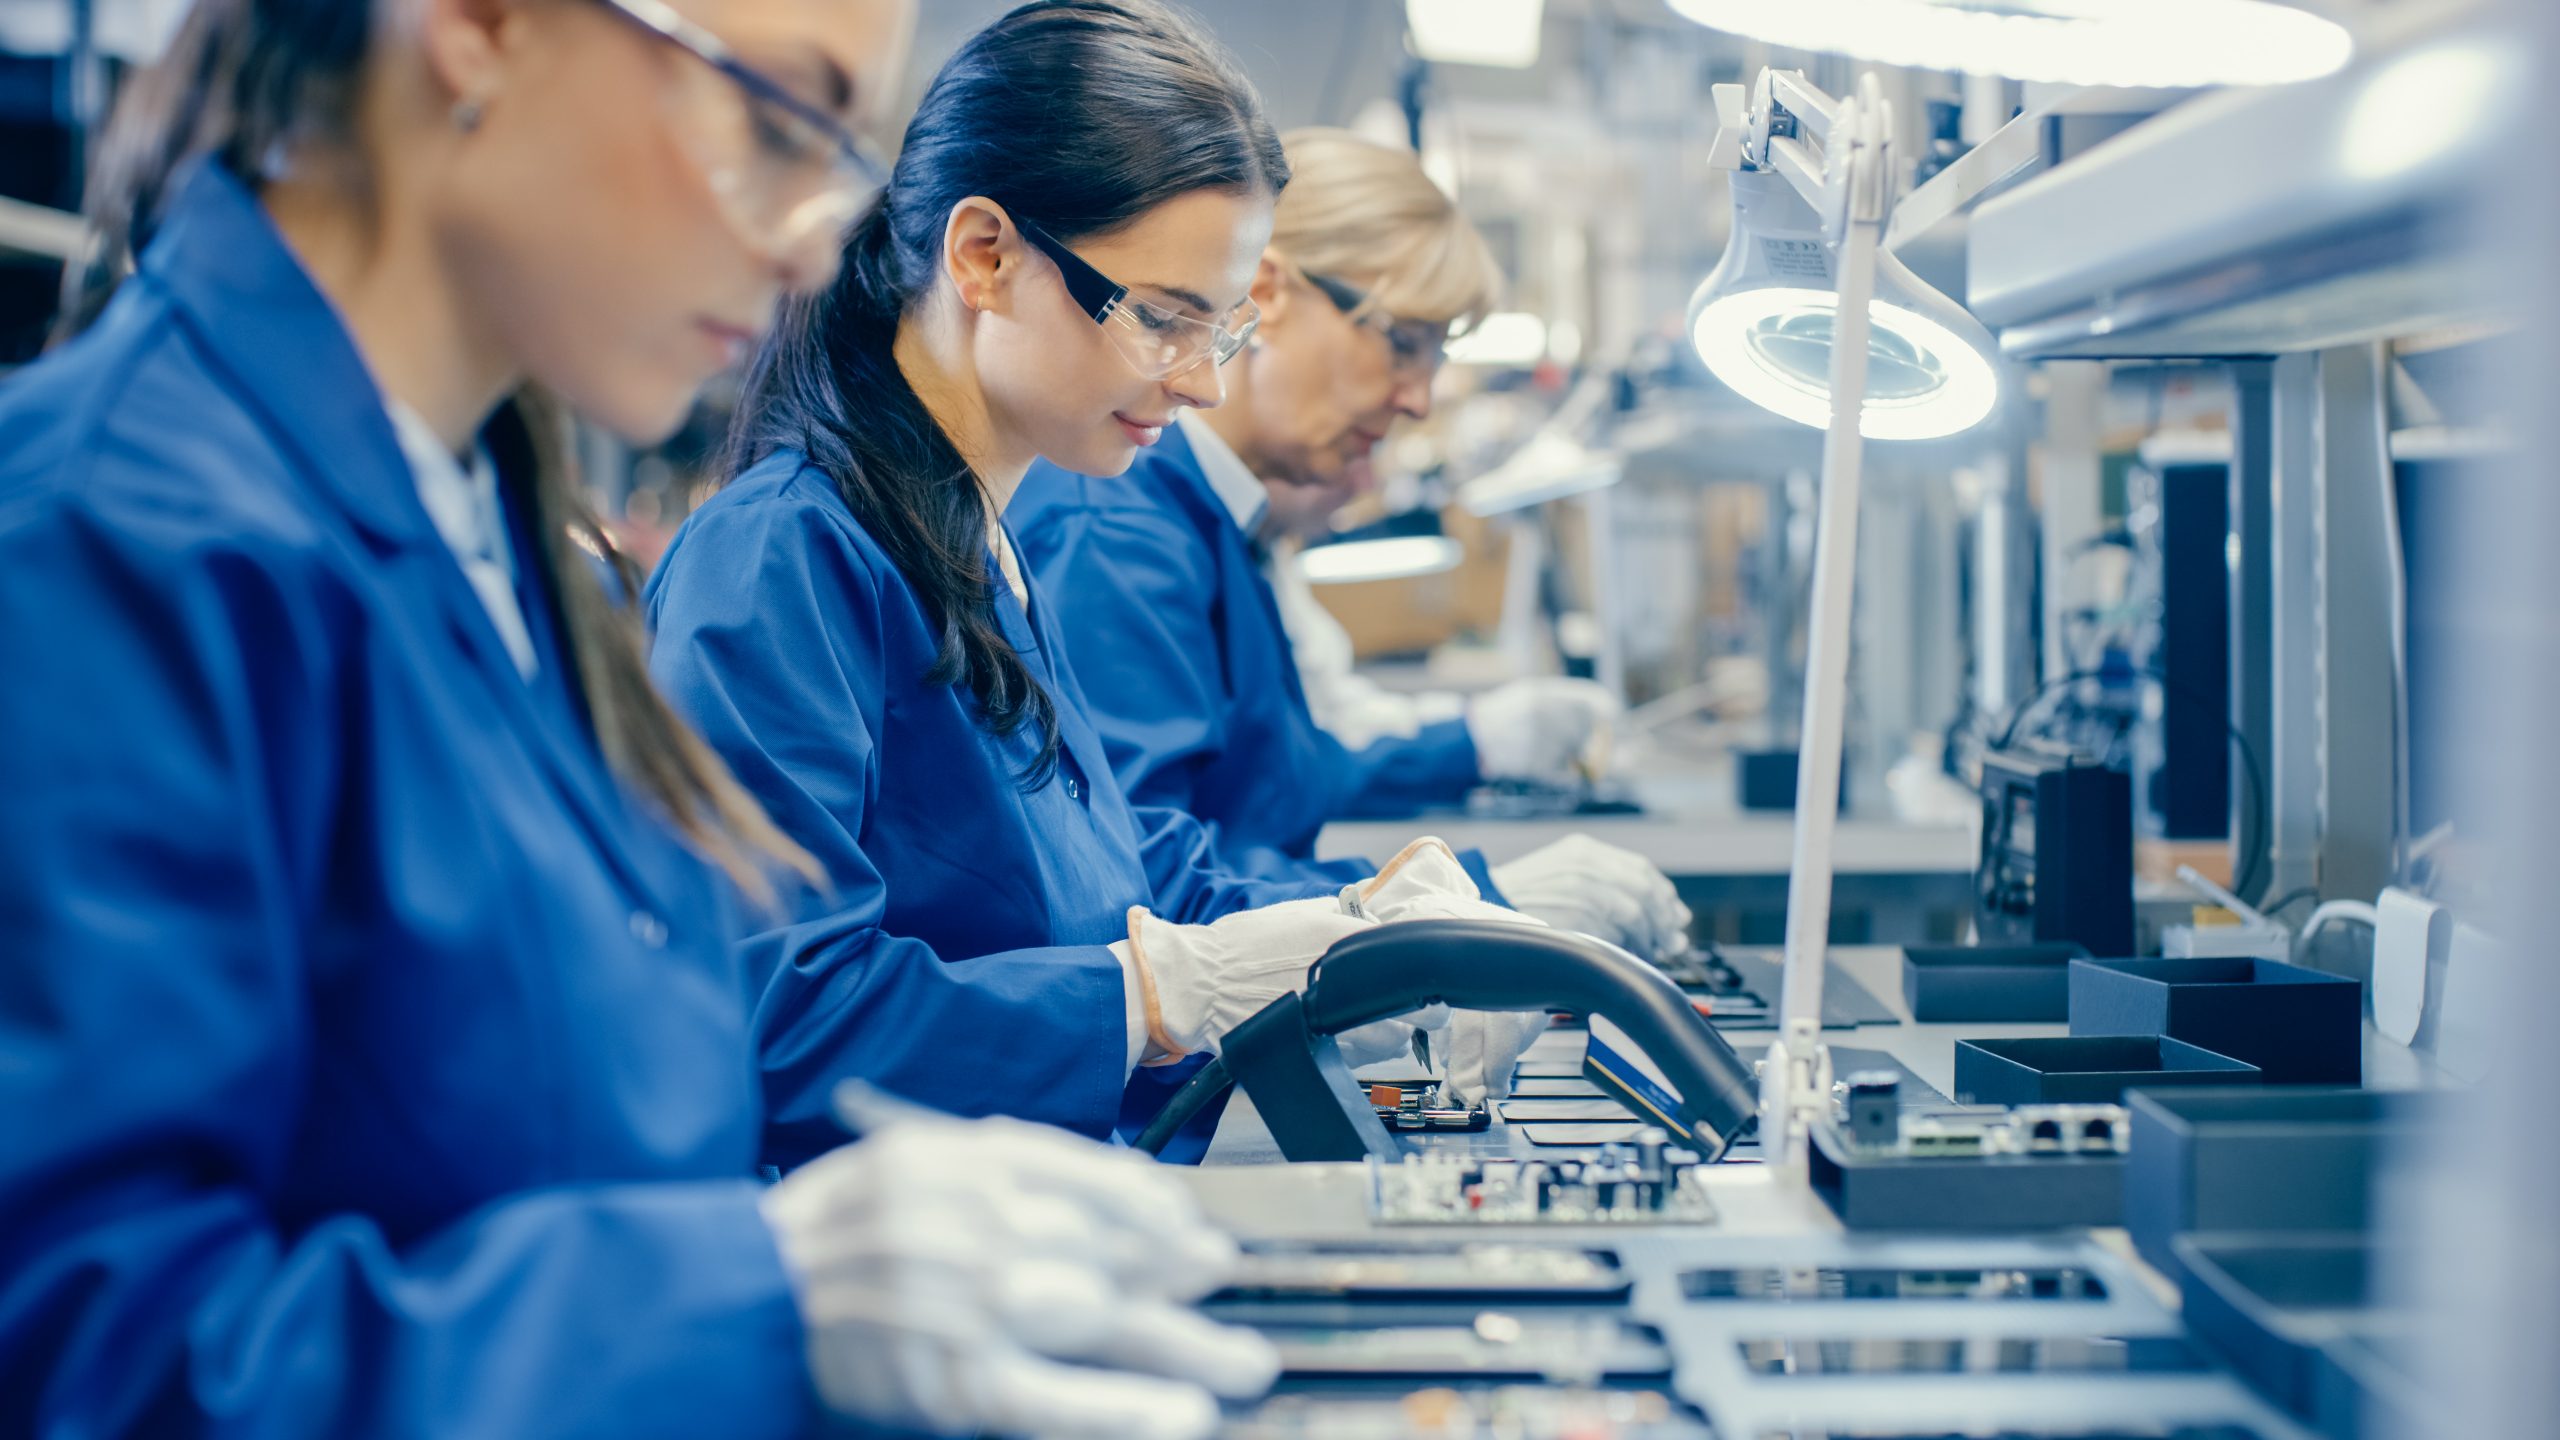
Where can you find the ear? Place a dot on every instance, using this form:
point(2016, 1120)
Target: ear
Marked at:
point(464, 44)
point(981, 253)
point(1272, 293)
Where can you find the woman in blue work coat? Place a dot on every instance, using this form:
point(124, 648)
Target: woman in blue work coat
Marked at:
point(1059, 266)
point(374, 1055)
point(1165, 580)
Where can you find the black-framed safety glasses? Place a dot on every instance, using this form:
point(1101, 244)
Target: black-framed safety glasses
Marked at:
point(1157, 342)
point(784, 171)
point(1415, 348)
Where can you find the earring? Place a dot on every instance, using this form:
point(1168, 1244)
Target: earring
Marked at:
point(467, 113)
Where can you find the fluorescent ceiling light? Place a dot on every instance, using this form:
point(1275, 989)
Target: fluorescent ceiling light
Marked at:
point(1508, 338)
point(1763, 324)
point(2167, 43)
point(1395, 557)
point(1501, 33)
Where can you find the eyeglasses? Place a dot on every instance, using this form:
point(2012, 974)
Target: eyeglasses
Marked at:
point(783, 170)
point(1415, 348)
point(1158, 343)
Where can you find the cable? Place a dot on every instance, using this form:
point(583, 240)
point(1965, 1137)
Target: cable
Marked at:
point(2259, 808)
point(1206, 1085)
point(2354, 912)
point(2274, 908)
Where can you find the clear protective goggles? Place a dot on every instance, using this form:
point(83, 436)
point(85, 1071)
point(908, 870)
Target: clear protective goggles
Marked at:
point(1157, 342)
point(785, 173)
point(1416, 349)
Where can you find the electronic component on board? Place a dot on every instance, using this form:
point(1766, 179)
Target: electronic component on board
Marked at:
point(1443, 1413)
point(1646, 1180)
point(1825, 1282)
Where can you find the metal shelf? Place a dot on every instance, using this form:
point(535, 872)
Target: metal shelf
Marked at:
point(2265, 221)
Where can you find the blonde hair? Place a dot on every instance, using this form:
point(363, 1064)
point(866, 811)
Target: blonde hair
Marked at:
point(1368, 214)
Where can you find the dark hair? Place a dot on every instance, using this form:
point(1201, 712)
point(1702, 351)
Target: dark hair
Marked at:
point(246, 82)
point(1077, 115)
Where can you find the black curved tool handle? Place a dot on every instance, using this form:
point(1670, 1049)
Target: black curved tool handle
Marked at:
point(1498, 965)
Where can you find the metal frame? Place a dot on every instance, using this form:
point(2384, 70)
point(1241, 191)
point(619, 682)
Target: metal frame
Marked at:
point(2361, 619)
point(2253, 449)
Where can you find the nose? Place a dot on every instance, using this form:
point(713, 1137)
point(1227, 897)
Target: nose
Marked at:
point(1412, 396)
point(1201, 387)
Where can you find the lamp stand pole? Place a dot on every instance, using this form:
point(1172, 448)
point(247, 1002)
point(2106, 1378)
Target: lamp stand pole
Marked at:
point(1856, 201)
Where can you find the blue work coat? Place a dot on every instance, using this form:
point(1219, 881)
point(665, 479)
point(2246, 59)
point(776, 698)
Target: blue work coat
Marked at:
point(1194, 681)
point(962, 957)
point(368, 1064)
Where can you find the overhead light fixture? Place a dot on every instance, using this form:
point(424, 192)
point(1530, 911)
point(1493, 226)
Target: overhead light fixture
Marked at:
point(1506, 339)
point(1763, 323)
point(1393, 557)
point(2163, 43)
point(1499, 33)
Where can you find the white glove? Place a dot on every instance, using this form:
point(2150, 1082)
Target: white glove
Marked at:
point(999, 1277)
point(1599, 890)
point(1479, 1048)
point(1536, 729)
point(1200, 981)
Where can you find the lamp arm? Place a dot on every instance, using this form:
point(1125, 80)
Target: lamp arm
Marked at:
point(1796, 1083)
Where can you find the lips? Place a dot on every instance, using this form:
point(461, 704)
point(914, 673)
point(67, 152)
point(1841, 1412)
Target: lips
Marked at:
point(1141, 433)
point(734, 342)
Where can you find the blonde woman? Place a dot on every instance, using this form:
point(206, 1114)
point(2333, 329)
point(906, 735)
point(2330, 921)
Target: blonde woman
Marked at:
point(1164, 578)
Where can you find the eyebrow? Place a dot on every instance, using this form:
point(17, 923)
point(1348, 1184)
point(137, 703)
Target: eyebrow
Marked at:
point(806, 63)
point(1193, 299)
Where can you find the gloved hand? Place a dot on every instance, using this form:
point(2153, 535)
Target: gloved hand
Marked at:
point(1478, 1049)
point(1535, 729)
point(998, 1277)
point(1580, 884)
point(1200, 981)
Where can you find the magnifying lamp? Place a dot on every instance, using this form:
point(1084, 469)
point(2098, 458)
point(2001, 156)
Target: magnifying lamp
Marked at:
point(1763, 322)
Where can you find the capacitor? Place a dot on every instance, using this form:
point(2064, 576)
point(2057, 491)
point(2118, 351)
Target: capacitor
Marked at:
point(1650, 1143)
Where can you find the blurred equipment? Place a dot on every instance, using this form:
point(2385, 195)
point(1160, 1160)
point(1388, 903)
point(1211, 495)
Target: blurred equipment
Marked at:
point(2057, 851)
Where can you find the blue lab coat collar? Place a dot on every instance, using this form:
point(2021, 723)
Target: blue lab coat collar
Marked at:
point(252, 305)
point(258, 315)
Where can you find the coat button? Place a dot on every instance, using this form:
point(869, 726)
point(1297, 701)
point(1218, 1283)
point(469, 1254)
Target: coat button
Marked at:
point(648, 929)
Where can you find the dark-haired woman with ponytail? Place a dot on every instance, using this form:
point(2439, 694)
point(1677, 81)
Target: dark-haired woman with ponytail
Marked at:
point(372, 1056)
point(1060, 265)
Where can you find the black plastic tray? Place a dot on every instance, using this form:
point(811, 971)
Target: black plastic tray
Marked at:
point(2273, 1304)
point(2085, 1069)
point(2298, 1026)
point(2005, 1193)
point(1989, 984)
point(2257, 1158)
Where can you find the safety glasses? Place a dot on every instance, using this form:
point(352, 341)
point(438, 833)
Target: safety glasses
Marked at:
point(1416, 349)
point(1158, 343)
point(784, 171)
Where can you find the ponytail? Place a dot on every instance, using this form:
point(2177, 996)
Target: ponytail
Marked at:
point(1079, 115)
point(903, 478)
